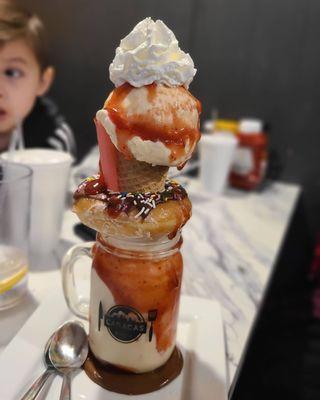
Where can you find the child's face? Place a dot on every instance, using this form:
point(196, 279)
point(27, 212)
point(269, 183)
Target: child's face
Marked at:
point(21, 81)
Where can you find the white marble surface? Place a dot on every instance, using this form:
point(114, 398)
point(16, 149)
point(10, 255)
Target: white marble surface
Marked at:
point(230, 245)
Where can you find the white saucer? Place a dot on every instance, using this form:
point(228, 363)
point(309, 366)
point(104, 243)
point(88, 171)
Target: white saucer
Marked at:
point(200, 338)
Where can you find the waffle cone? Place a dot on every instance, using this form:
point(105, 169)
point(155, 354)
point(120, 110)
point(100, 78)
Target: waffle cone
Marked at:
point(139, 176)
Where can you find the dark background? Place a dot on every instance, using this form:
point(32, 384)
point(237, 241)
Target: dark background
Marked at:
point(256, 58)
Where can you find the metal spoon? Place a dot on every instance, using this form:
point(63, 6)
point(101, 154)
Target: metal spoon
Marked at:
point(37, 385)
point(68, 351)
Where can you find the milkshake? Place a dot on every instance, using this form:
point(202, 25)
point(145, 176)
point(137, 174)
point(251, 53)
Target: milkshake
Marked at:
point(148, 123)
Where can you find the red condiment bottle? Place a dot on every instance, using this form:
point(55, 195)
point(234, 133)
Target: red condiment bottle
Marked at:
point(250, 159)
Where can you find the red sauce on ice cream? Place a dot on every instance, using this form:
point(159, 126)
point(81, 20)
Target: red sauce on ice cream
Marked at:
point(174, 135)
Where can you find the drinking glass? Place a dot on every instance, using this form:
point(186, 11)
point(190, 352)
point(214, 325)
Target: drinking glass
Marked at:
point(15, 194)
point(216, 156)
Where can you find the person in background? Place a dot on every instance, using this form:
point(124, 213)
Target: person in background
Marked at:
point(27, 118)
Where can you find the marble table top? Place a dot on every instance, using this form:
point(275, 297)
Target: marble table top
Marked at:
point(230, 245)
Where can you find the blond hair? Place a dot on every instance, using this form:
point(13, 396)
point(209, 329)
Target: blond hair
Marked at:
point(17, 23)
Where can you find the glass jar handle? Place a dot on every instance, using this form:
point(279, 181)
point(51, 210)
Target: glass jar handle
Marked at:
point(75, 302)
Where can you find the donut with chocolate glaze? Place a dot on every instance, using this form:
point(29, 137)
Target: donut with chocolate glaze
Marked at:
point(132, 215)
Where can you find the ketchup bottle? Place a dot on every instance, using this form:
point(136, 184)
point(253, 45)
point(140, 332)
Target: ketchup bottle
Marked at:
point(250, 159)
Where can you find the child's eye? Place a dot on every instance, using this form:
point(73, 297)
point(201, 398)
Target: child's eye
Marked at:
point(13, 73)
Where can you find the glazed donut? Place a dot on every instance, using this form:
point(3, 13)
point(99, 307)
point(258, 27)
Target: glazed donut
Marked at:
point(132, 215)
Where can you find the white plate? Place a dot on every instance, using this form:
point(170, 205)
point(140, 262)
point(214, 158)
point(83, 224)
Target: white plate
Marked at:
point(200, 337)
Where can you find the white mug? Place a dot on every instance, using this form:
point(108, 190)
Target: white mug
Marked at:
point(51, 171)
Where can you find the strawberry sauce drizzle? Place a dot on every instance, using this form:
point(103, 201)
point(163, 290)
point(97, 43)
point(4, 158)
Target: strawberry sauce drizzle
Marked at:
point(174, 136)
point(144, 284)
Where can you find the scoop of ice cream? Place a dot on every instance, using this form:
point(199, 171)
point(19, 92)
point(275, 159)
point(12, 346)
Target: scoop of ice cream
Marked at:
point(151, 53)
point(156, 124)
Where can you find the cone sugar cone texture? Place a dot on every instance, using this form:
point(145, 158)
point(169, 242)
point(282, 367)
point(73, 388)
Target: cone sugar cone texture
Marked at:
point(138, 176)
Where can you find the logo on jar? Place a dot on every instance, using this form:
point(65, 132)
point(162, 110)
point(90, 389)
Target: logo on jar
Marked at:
point(125, 324)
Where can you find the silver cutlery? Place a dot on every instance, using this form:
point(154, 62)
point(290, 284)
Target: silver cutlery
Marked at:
point(68, 351)
point(38, 384)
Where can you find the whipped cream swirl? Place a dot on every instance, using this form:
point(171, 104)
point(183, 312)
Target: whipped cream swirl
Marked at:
point(151, 53)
